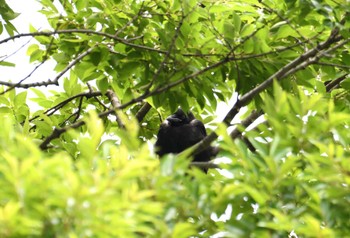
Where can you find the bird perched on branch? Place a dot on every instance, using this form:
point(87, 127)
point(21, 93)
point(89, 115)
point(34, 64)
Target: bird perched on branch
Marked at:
point(181, 131)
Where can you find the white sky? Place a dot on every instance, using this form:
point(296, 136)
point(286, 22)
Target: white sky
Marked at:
point(28, 15)
point(28, 10)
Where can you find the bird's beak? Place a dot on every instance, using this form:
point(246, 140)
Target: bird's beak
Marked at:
point(173, 119)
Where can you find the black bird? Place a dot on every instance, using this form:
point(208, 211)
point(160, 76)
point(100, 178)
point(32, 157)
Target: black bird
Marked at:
point(180, 131)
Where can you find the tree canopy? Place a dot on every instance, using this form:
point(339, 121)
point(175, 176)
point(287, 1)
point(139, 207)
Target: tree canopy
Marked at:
point(77, 160)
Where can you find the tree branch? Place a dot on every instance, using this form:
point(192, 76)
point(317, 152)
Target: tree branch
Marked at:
point(115, 104)
point(205, 165)
point(297, 64)
point(236, 133)
point(55, 108)
point(84, 31)
point(45, 83)
point(334, 83)
point(57, 132)
point(143, 111)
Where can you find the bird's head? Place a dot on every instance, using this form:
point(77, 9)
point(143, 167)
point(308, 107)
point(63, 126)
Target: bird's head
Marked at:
point(179, 118)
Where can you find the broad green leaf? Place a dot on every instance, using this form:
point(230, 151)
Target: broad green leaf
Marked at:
point(184, 230)
point(7, 64)
point(285, 31)
point(247, 30)
point(20, 98)
point(5, 110)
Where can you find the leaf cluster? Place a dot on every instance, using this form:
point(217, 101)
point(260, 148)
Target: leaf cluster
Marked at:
point(77, 160)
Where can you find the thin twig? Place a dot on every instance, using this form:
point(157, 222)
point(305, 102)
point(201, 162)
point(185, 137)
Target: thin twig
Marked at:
point(334, 65)
point(85, 31)
point(48, 82)
point(167, 55)
point(45, 58)
point(55, 108)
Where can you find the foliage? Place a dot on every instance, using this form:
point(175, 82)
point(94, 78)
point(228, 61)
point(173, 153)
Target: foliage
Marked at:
point(81, 164)
point(7, 14)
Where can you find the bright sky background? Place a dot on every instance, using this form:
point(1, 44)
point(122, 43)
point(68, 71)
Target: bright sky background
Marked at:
point(28, 15)
point(28, 9)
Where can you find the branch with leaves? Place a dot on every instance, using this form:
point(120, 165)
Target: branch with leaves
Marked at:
point(309, 57)
point(301, 62)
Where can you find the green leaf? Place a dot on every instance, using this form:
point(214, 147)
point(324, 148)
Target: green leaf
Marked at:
point(285, 31)
point(81, 4)
point(103, 84)
point(249, 46)
point(36, 55)
point(247, 30)
point(9, 15)
point(4, 101)
point(10, 29)
point(346, 84)
point(20, 98)
point(5, 110)
point(236, 20)
point(229, 31)
point(8, 64)
point(184, 230)
point(38, 93)
point(49, 4)
point(218, 8)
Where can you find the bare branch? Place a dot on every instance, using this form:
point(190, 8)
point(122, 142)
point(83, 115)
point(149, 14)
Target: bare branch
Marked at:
point(15, 52)
point(334, 83)
point(57, 132)
point(333, 65)
point(205, 165)
point(48, 82)
point(237, 133)
point(45, 58)
point(115, 104)
point(20, 85)
point(28, 85)
point(76, 114)
point(245, 123)
point(84, 31)
point(143, 111)
point(74, 62)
